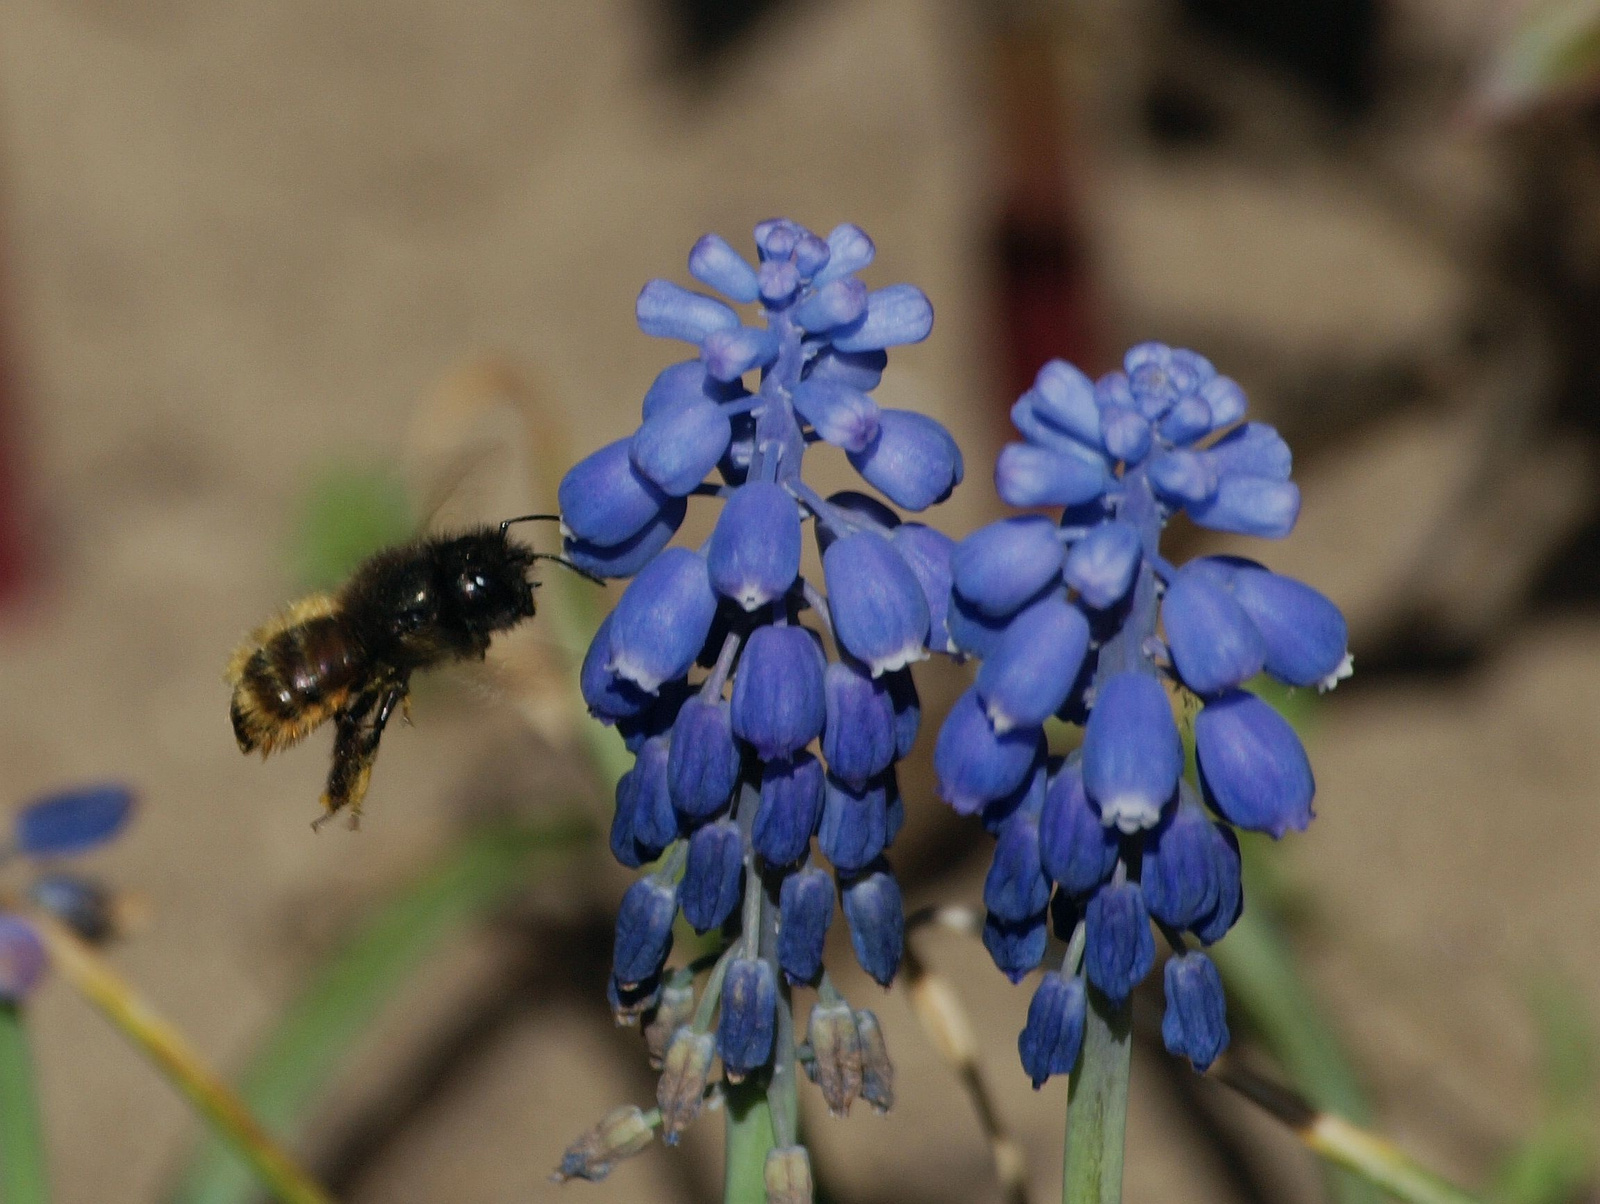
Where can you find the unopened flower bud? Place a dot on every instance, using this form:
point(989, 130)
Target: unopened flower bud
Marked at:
point(680, 1092)
point(1195, 1025)
point(712, 878)
point(644, 930)
point(791, 805)
point(623, 1133)
point(1252, 765)
point(749, 1011)
point(1001, 566)
point(1101, 565)
point(896, 315)
point(1132, 754)
point(880, 613)
point(778, 697)
point(836, 1054)
point(1050, 1040)
point(787, 1175)
point(1016, 948)
point(673, 1008)
point(873, 908)
point(1120, 949)
point(805, 911)
point(877, 1072)
point(912, 459)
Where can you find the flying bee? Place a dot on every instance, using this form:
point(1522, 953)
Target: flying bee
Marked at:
point(348, 656)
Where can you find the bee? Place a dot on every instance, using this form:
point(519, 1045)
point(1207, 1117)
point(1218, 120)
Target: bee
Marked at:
point(348, 656)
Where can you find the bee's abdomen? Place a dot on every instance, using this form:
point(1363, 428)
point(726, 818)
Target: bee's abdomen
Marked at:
point(293, 682)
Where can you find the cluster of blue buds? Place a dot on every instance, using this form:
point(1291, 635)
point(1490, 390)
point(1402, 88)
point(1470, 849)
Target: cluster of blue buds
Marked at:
point(1082, 619)
point(749, 742)
point(60, 825)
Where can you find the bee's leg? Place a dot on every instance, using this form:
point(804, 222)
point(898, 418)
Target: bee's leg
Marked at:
point(352, 760)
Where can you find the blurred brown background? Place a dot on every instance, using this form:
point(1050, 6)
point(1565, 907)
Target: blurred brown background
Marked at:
point(242, 243)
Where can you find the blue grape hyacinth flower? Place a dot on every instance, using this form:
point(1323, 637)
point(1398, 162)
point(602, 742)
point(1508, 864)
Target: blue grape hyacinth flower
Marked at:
point(763, 796)
point(58, 826)
point(1080, 617)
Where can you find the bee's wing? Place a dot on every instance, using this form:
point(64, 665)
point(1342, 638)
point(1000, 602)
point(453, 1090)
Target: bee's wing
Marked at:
point(482, 447)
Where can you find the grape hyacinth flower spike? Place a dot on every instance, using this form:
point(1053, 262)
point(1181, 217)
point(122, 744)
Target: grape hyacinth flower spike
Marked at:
point(58, 826)
point(1080, 617)
point(763, 797)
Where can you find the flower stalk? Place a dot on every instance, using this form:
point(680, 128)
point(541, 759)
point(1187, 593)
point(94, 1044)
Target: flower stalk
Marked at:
point(97, 982)
point(1097, 1106)
point(23, 1178)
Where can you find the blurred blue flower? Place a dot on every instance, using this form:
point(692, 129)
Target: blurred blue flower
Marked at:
point(64, 824)
point(1082, 618)
point(759, 838)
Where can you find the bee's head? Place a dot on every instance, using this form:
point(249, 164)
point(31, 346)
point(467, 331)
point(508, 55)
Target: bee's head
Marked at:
point(485, 579)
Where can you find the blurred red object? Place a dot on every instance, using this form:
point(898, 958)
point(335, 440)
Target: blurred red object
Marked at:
point(1046, 297)
point(14, 560)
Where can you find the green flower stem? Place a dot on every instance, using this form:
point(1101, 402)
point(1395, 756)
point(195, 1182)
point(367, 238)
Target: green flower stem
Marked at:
point(749, 1141)
point(1097, 1106)
point(22, 1157)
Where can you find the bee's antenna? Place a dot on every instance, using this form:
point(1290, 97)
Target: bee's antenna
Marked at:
point(530, 518)
point(563, 561)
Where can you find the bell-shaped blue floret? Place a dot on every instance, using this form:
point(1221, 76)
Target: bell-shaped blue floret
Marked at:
point(776, 237)
point(1101, 565)
point(1025, 475)
point(1120, 950)
point(623, 845)
point(604, 499)
point(717, 265)
point(778, 699)
point(1050, 1040)
point(972, 632)
point(1112, 390)
point(1250, 506)
point(1179, 873)
point(974, 765)
point(877, 922)
point(729, 354)
point(1064, 397)
point(684, 384)
point(1195, 1024)
point(854, 829)
point(86, 906)
point(1225, 399)
point(669, 311)
point(1016, 887)
point(1214, 644)
point(662, 619)
point(1125, 434)
point(836, 303)
point(72, 821)
point(713, 876)
point(879, 612)
point(1132, 753)
point(1252, 765)
point(1212, 927)
point(754, 553)
point(748, 1016)
point(1026, 799)
point(843, 416)
point(1186, 421)
point(1254, 450)
point(632, 554)
point(858, 737)
point(1030, 673)
point(1182, 478)
point(1001, 566)
point(895, 315)
point(907, 711)
point(928, 552)
point(22, 958)
point(676, 448)
point(850, 250)
point(805, 911)
point(1016, 949)
point(859, 369)
point(1077, 850)
point(1304, 635)
point(912, 460)
point(790, 808)
point(655, 822)
point(703, 765)
point(644, 930)
point(1153, 390)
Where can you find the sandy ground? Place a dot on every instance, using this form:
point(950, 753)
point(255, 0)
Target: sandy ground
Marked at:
point(244, 242)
